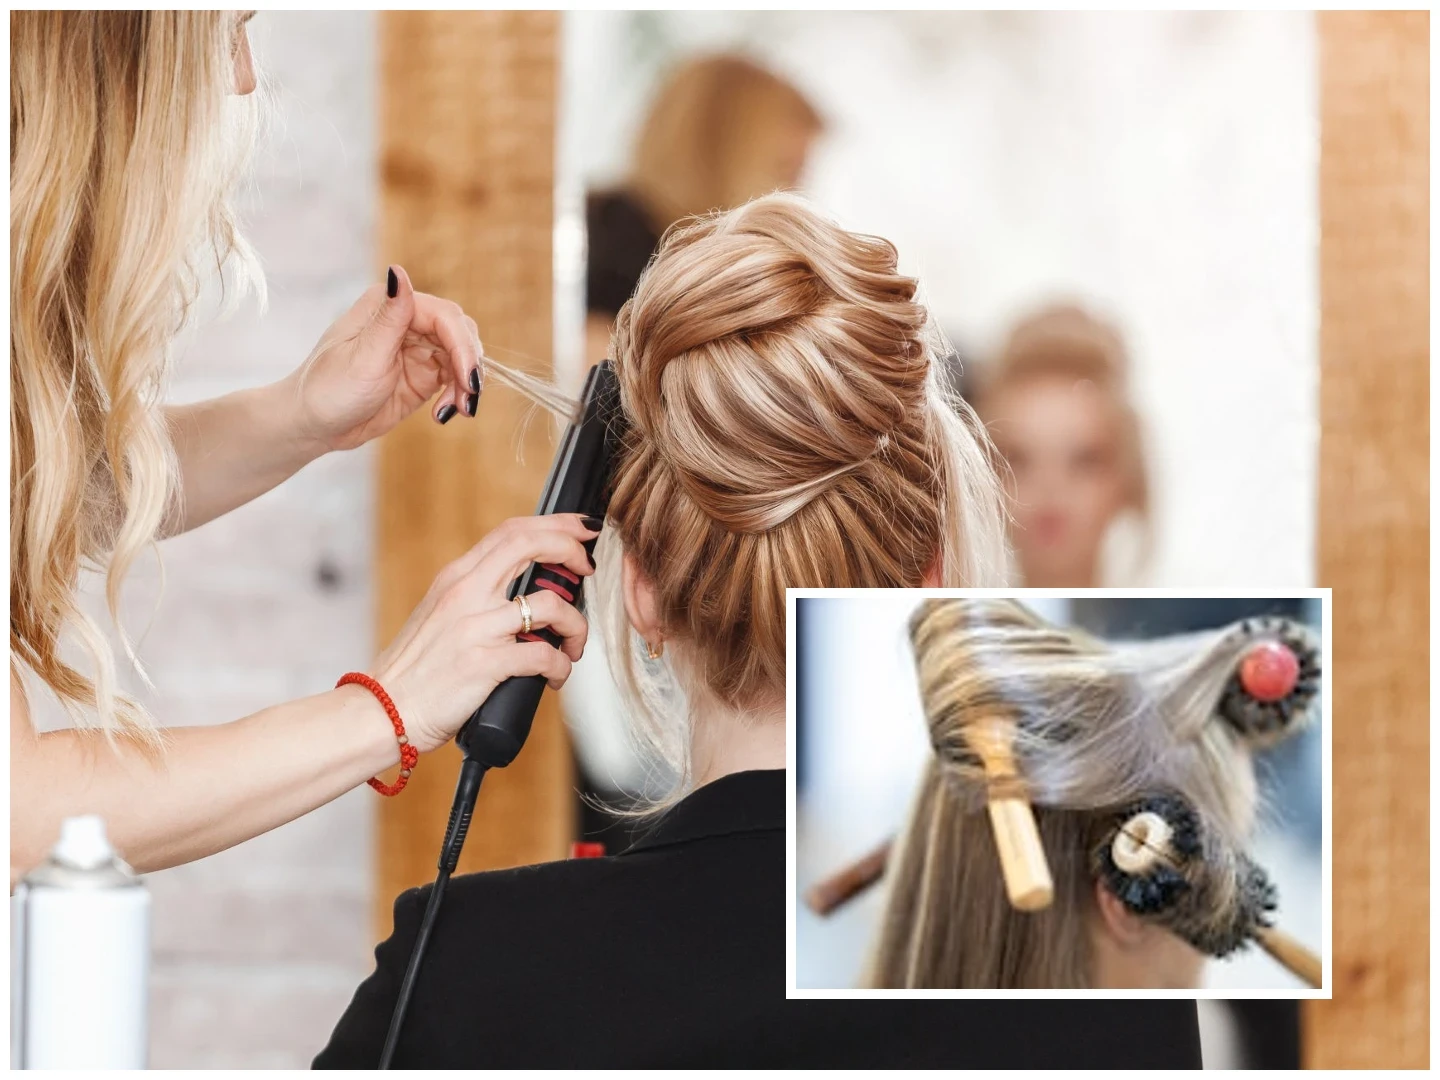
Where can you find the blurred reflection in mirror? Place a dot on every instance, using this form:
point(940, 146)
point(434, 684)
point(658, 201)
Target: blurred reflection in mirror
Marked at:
point(1056, 404)
point(720, 131)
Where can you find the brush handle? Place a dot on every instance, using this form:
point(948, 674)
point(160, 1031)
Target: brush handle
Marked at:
point(825, 896)
point(1017, 837)
point(1294, 956)
point(1022, 859)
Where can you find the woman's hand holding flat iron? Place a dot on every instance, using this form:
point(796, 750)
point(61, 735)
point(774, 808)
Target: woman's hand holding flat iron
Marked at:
point(459, 643)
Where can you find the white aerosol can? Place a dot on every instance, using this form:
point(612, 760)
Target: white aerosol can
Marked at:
point(79, 957)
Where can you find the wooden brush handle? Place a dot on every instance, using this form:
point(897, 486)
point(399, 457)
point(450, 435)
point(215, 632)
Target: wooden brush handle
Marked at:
point(1022, 859)
point(1017, 837)
point(1292, 955)
point(825, 896)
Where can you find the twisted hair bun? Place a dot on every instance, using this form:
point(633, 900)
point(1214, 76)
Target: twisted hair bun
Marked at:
point(788, 429)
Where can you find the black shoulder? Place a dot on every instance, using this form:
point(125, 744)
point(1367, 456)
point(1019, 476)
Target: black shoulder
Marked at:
point(488, 914)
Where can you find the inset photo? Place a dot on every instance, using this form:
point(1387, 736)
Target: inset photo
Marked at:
point(1058, 793)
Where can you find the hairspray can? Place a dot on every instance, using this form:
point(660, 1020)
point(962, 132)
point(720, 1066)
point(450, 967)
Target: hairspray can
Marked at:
point(79, 957)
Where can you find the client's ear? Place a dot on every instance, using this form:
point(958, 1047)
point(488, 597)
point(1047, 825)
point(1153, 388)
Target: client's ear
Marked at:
point(1124, 927)
point(640, 605)
point(932, 578)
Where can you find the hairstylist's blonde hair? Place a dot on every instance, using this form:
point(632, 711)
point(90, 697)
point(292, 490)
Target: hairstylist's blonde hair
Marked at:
point(124, 140)
point(696, 151)
point(1099, 725)
point(789, 426)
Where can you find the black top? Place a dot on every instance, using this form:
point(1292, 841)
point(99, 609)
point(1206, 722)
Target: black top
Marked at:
point(673, 954)
point(619, 239)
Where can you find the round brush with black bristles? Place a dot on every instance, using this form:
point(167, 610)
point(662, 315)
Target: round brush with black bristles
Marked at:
point(1160, 861)
point(1269, 696)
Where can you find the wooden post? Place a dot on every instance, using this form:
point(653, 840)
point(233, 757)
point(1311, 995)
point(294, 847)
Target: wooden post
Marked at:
point(1374, 531)
point(467, 146)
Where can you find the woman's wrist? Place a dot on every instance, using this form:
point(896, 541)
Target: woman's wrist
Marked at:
point(285, 400)
point(367, 728)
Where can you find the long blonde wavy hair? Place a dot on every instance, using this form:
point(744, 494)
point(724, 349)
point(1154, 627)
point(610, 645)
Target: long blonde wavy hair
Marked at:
point(788, 426)
point(125, 140)
point(1099, 725)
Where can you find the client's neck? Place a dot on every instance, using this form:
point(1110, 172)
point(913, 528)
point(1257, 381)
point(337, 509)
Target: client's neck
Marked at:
point(725, 741)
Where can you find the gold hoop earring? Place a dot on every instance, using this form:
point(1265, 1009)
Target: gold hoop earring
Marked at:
point(654, 652)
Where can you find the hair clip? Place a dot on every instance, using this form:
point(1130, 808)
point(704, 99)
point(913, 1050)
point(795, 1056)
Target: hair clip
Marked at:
point(1269, 695)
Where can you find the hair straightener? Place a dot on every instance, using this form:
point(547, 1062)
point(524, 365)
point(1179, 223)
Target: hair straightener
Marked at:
point(579, 483)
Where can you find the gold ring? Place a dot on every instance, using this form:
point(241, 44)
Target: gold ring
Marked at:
point(524, 614)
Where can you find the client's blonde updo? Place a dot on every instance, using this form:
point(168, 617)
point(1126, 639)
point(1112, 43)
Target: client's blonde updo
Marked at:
point(789, 428)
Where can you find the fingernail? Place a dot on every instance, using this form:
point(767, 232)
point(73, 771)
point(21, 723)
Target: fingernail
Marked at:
point(445, 414)
point(392, 285)
point(594, 524)
point(590, 555)
point(471, 402)
point(475, 380)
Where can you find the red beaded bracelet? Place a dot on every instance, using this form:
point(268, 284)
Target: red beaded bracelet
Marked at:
point(408, 754)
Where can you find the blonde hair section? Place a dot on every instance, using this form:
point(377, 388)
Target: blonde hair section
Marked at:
point(125, 140)
point(1098, 725)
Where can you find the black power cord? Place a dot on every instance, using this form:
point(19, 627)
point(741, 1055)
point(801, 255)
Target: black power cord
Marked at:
point(471, 773)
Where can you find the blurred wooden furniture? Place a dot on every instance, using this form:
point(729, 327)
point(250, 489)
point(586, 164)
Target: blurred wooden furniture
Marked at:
point(1374, 531)
point(467, 105)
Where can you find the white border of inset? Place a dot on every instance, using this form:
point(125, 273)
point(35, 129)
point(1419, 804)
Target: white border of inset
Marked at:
point(792, 891)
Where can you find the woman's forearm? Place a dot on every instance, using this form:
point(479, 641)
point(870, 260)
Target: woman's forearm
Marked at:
point(214, 788)
point(235, 448)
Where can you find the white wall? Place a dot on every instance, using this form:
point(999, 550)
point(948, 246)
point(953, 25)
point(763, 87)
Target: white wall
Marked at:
point(1158, 166)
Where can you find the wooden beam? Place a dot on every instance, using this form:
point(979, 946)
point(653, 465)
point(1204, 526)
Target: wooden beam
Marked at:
point(467, 146)
point(1374, 531)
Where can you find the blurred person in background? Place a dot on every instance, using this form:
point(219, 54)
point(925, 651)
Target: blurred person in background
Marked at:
point(720, 131)
point(1056, 403)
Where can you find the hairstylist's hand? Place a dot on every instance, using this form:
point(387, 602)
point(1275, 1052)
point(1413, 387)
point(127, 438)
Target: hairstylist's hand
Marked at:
point(382, 360)
point(459, 643)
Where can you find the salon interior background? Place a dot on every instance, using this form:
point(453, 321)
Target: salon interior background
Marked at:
point(1160, 168)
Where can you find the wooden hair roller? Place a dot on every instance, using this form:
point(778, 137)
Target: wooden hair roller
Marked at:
point(1017, 837)
point(1145, 840)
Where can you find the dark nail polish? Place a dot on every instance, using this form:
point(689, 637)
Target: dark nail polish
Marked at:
point(591, 556)
point(445, 414)
point(475, 380)
point(471, 402)
point(592, 523)
point(392, 283)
